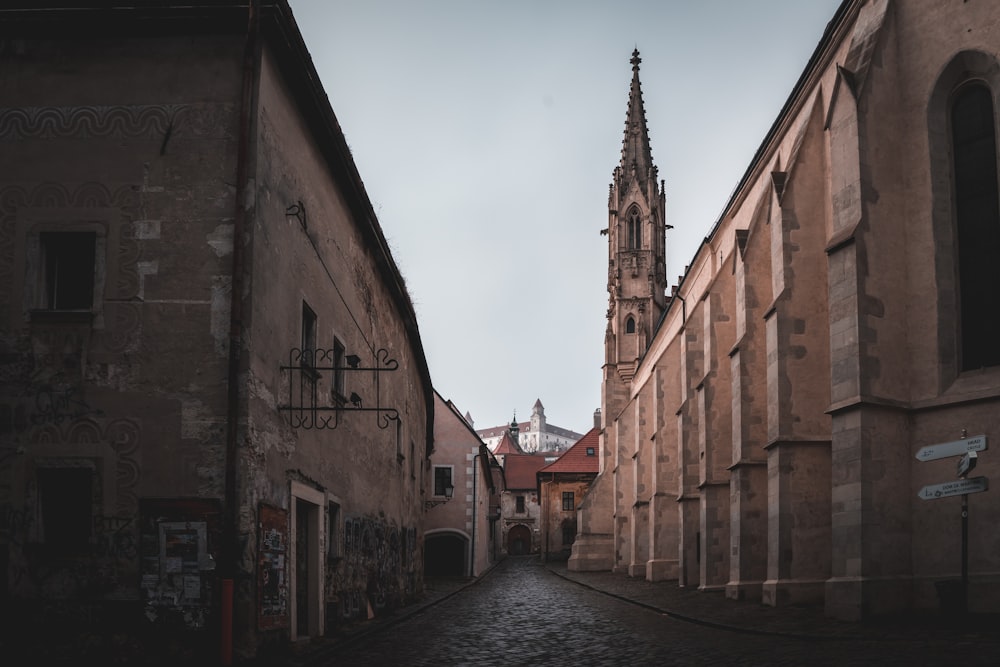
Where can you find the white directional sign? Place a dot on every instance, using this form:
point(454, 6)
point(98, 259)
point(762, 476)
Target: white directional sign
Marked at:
point(967, 463)
point(954, 448)
point(956, 488)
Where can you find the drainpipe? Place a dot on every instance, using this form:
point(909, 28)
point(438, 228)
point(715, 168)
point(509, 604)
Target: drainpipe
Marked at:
point(472, 547)
point(231, 515)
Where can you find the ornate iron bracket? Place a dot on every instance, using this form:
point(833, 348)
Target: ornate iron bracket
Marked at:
point(308, 409)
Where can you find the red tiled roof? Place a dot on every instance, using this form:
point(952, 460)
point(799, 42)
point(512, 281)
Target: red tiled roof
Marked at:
point(575, 459)
point(520, 470)
point(507, 445)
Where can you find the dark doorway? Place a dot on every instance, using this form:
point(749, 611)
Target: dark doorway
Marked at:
point(444, 555)
point(519, 541)
point(302, 541)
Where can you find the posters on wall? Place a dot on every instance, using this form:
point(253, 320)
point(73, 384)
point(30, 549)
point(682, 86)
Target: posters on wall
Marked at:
point(272, 561)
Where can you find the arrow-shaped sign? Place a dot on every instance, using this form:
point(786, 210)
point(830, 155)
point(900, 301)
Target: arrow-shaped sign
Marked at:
point(954, 448)
point(957, 488)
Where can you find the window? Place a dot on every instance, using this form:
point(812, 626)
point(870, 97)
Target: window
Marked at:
point(519, 504)
point(442, 480)
point(568, 504)
point(977, 209)
point(630, 325)
point(590, 451)
point(338, 373)
point(633, 229)
point(308, 346)
point(67, 270)
point(65, 499)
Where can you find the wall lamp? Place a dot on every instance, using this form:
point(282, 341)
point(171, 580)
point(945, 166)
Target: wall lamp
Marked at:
point(449, 491)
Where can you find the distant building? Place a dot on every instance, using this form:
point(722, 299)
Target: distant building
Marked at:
point(520, 509)
point(562, 485)
point(535, 435)
point(508, 445)
point(461, 499)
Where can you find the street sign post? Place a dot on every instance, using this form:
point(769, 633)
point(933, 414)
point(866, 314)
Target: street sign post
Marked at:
point(976, 443)
point(956, 488)
point(966, 448)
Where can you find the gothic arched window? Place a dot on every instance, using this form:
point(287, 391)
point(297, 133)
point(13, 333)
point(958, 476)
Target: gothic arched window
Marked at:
point(630, 325)
point(977, 218)
point(633, 229)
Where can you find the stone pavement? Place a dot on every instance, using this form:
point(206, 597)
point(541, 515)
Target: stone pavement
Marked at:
point(712, 608)
point(706, 608)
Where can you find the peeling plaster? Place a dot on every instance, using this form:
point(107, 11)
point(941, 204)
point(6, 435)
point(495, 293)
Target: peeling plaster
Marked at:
point(221, 240)
point(260, 390)
point(147, 230)
point(221, 287)
point(196, 421)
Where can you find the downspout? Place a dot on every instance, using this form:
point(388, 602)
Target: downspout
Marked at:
point(230, 552)
point(472, 546)
point(683, 306)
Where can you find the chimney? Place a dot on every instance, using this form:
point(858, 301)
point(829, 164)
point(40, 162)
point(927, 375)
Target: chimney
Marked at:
point(597, 418)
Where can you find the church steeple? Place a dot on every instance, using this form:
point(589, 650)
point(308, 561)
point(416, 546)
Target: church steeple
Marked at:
point(637, 157)
point(637, 275)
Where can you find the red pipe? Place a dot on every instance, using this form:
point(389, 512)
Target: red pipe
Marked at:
point(226, 649)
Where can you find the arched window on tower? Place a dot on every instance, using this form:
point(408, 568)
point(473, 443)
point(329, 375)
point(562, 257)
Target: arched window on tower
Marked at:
point(633, 229)
point(977, 210)
point(630, 325)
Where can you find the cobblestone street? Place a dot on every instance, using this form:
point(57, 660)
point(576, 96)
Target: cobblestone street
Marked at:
point(524, 613)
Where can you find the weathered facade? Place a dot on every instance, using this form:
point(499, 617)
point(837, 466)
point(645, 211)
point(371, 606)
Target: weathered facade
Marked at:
point(209, 356)
point(765, 423)
point(460, 531)
point(520, 506)
point(562, 485)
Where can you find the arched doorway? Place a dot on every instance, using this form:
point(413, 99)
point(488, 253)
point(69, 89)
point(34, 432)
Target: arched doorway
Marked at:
point(519, 541)
point(445, 555)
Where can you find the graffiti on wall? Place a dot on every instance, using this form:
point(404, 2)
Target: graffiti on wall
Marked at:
point(375, 574)
point(272, 554)
point(101, 570)
point(55, 406)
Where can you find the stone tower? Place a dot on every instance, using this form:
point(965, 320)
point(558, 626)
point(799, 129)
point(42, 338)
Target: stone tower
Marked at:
point(538, 417)
point(637, 277)
point(637, 286)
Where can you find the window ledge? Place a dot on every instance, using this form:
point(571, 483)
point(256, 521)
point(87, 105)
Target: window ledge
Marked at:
point(61, 316)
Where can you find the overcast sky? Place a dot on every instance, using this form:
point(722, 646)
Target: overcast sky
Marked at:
point(486, 133)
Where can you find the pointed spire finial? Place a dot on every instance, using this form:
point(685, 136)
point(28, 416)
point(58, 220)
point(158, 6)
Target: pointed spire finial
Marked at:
point(637, 157)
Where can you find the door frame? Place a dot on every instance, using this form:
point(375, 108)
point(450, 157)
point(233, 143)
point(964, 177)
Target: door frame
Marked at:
point(314, 559)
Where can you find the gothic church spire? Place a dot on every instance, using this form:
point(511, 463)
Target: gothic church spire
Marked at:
point(636, 153)
point(637, 276)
